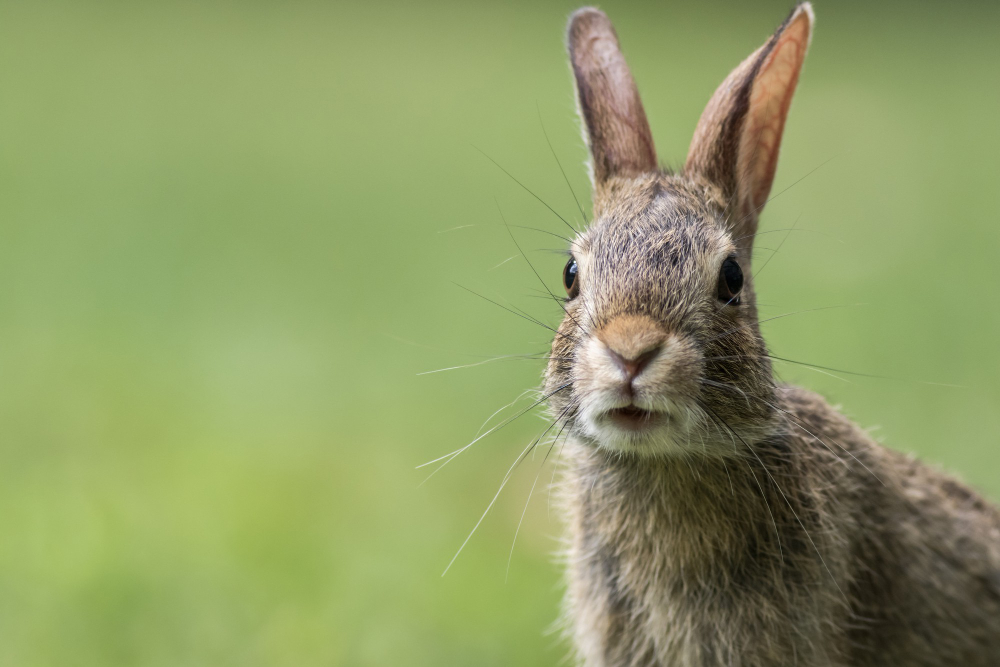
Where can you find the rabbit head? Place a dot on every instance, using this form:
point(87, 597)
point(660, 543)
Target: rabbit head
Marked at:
point(660, 350)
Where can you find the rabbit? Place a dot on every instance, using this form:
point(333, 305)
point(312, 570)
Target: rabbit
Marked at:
point(715, 516)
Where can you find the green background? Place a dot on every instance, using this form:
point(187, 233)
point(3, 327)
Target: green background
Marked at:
point(224, 261)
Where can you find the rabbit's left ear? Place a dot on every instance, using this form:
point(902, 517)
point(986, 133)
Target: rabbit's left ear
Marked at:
point(736, 143)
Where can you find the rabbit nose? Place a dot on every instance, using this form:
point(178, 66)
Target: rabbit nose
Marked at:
point(632, 366)
point(631, 342)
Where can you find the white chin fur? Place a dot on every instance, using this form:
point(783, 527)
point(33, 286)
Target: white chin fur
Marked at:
point(670, 438)
point(600, 384)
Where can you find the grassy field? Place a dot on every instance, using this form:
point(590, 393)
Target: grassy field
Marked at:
point(229, 237)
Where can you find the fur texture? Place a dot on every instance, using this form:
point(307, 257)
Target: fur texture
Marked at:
point(715, 517)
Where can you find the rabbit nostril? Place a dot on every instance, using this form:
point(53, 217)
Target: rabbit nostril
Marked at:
point(631, 342)
point(632, 367)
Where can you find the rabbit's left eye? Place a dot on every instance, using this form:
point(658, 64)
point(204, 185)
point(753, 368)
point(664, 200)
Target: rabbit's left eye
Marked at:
point(570, 279)
point(730, 282)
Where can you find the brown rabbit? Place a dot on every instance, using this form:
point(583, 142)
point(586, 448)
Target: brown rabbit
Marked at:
point(715, 516)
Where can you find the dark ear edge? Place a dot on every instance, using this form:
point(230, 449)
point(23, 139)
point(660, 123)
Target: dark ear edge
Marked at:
point(737, 141)
point(615, 123)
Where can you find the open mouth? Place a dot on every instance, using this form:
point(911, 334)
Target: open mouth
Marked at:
point(632, 418)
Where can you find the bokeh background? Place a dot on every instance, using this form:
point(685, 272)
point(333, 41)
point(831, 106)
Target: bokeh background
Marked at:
point(229, 237)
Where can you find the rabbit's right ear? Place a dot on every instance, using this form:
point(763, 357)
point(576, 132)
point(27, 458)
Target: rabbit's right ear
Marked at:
point(617, 131)
point(736, 144)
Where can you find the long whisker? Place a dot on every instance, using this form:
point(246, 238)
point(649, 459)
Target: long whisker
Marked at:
point(488, 508)
point(796, 422)
point(778, 317)
point(528, 501)
point(503, 262)
point(544, 231)
point(785, 238)
point(453, 229)
point(533, 270)
point(817, 367)
point(525, 188)
point(777, 535)
point(522, 315)
point(561, 170)
point(447, 350)
point(447, 458)
point(517, 530)
point(791, 509)
point(555, 468)
point(797, 181)
point(747, 397)
point(789, 229)
point(508, 357)
point(499, 410)
point(506, 479)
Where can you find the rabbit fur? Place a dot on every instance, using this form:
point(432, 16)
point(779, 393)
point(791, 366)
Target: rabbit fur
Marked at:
point(732, 520)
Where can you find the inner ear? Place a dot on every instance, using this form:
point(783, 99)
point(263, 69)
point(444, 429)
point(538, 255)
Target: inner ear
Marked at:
point(738, 137)
point(770, 98)
point(615, 123)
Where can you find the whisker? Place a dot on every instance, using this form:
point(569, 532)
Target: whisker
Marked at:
point(483, 362)
point(747, 397)
point(527, 502)
point(544, 231)
point(506, 479)
point(453, 229)
point(777, 535)
point(865, 375)
point(537, 275)
point(555, 468)
point(525, 188)
point(542, 295)
point(499, 410)
point(488, 508)
point(791, 509)
point(778, 317)
point(796, 422)
point(517, 530)
point(817, 367)
point(771, 256)
point(448, 350)
point(503, 262)
point(448, 458)
point(522, 315)
point(789, 229)
point(773, 197)
point(561, 170)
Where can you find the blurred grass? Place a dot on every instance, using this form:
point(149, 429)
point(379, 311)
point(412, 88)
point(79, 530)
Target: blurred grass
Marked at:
point(222, 267)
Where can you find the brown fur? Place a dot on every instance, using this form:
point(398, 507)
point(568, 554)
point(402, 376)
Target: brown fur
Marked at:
point(609, 100)
point(757, 526)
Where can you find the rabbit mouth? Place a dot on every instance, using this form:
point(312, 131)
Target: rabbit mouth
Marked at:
point(634, 418)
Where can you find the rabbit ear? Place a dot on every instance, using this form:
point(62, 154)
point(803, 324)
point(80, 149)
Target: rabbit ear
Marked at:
point(617, 131)
point(736, 144)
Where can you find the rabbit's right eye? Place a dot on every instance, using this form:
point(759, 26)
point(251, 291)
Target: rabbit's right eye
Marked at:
point(570, 279)
point(730, 282)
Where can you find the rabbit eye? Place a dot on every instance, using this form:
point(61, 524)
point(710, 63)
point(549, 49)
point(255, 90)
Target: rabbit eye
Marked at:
point(570, 280)
point(730, 282)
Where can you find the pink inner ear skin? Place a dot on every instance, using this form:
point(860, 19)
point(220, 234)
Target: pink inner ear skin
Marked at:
point(769, 101)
